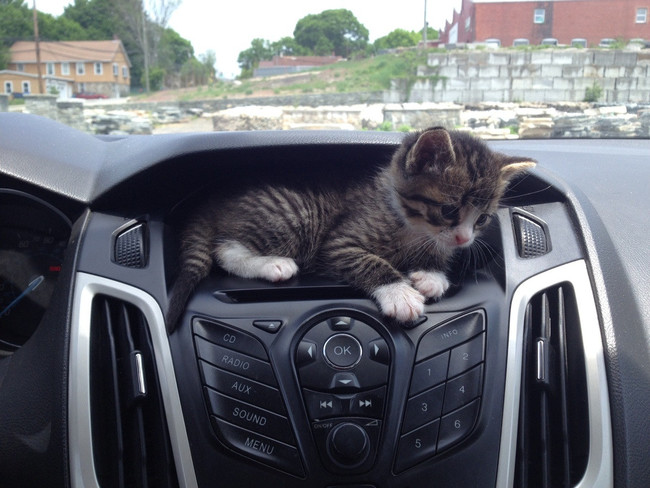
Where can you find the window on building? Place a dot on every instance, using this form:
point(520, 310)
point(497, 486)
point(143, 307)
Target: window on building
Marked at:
point(20, 67)
point(540, 16)
point(27, 88)
point(641, 15)
point(116, 69)
point(99, 68)
point(9, 87)
point(49, 68)
point(65, 68)
point(125, 72)
point(81, 69)
point(468, 23)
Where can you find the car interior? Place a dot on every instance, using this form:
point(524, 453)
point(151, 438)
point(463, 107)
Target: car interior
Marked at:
point(532, 370)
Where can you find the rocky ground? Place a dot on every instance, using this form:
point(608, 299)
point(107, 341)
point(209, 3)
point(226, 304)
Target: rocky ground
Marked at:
point(492, 121)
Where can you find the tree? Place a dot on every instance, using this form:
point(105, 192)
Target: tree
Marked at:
point(289, 47)
point(145, 29)
point(209, 60)
point(250, 58)
point(338, 30)
point(60, 28)
point(15, 22)
point(398, 38)
point(172, 53)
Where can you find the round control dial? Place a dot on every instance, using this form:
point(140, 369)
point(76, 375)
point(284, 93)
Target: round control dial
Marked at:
point(348, 444)
point(342, 351)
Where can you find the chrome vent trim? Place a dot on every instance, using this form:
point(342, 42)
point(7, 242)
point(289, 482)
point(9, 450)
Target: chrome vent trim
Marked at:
point(82, 468)
point(600, 465)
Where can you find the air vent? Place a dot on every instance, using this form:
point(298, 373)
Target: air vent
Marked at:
point(130, 439)
point(553, 434)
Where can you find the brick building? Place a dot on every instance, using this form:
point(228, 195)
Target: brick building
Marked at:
point(535, 20)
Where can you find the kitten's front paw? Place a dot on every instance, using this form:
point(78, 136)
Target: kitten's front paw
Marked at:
point(400, 300)
point(432, 284)
point(278, 269)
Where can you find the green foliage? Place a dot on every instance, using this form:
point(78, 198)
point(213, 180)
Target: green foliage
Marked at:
point(5, 57)
point(100, 20)
point(250, 58)
point(15, 22)
point(59, 29)
point(156, 77)
point(338, 30)
point(593, 93)
point(194, 73)
point(209, 61)
point(398, 38)
point(289, 47)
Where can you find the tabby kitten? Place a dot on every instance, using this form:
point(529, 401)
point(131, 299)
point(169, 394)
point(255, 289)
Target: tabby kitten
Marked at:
point(391, 236)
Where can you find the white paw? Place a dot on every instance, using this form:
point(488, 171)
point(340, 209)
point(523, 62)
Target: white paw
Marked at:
point(278, 269)
point(399, 300)
point(432, 284)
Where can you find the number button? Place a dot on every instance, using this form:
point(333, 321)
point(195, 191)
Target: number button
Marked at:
point(463, 389)
point(429, 373)
point(466, 356)
point(423, 408)
point(457, 425)
point(417, 446)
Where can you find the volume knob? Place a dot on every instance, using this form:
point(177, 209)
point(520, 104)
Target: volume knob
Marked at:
point(348, 444)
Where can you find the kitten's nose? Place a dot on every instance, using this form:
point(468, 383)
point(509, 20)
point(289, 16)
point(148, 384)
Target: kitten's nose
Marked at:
point(461, 239)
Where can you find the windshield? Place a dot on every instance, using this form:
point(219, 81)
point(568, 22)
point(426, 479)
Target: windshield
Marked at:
point(500, 69)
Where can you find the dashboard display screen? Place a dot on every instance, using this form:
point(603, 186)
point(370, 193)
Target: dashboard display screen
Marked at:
point(33, 238)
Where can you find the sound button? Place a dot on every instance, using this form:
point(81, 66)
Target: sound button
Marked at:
point(342, 351)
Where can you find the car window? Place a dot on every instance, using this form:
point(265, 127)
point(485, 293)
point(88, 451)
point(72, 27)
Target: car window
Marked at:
point(131, 67)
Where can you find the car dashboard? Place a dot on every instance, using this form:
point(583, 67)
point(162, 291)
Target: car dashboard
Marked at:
point(531, 371)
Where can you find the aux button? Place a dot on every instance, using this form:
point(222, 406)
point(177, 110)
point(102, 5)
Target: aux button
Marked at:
point(342, 351)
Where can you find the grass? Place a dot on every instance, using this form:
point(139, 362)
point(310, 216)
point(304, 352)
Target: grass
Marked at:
point(363, 75)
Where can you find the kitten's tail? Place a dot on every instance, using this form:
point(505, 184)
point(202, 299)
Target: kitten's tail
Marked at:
point(195, 264)
point(180, 292)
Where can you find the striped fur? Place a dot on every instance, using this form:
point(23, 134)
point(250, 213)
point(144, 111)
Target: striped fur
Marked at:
point(391, 236)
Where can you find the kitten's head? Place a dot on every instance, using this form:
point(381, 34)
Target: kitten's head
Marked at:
point(449, 183)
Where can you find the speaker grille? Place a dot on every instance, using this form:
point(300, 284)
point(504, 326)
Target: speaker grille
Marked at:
point(131, 247)
point(531, 237)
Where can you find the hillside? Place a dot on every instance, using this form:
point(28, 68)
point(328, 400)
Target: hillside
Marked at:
point(364, 75)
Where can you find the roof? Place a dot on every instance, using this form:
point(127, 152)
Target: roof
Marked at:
point(70, 51)
point(300, 61)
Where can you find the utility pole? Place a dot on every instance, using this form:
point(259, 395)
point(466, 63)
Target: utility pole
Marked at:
point(145, 48)
point(426, 26)
point(38, 52)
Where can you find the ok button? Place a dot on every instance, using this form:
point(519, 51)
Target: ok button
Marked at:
point(342, 351)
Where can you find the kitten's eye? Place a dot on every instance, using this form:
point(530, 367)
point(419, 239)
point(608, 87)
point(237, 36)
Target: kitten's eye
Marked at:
point(449, 212)
point(482, 219)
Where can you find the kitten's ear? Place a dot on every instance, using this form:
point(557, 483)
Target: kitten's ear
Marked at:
point(512, 166)
point(432, 149)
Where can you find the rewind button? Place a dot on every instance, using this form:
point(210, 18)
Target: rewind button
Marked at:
point(323, 405)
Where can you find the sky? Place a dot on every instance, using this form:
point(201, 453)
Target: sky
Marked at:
point(228, 27)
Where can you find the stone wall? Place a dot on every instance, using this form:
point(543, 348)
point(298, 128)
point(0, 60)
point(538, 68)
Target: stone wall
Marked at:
point(545, 76)
point(44, 105)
